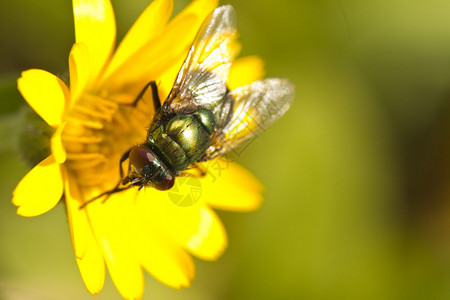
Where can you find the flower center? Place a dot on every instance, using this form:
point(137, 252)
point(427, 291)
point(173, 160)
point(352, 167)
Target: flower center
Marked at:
point(98, 132)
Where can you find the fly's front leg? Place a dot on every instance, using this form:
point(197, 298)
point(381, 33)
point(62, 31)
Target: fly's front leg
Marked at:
point(156, 100)
point(122, 159)
point(116, 188)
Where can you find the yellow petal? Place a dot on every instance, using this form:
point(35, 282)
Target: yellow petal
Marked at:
point(245, 70)
point(56, 144)
point(182, 217)
point(201, 8)
point(153, 59)
point(167, 78)
point(80, 70)
point(40, 190)
point(210, 240)
point(92, 268)
point(45, 93)
point(96, 28)
point(150, 61)
point(167, 262)
point(148, 26)
point(87, 253)
point(229, 186)
point(116, 229)
point(80, 229)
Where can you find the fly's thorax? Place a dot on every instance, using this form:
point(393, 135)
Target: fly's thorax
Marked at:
point(147, 169)
point(183, 138)
point(206, 118)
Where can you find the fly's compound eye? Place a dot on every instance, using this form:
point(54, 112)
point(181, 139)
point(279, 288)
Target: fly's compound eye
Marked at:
point(140, 157)
point(166, 183)
point(144, 163)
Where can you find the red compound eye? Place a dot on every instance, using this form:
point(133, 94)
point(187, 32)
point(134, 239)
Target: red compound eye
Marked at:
point(166, 184)
point(140, 157)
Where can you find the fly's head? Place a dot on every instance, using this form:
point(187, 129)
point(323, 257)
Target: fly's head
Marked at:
point(146, 169)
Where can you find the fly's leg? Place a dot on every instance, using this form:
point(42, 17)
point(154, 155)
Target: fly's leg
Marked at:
point(156, 100)
point(116, 189)
point(107, 194)
point(124, 158)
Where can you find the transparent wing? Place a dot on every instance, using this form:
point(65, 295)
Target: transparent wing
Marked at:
point(256, 107)
point(201, 80)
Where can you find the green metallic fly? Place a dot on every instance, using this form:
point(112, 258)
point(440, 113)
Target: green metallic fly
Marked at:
point(201, 118)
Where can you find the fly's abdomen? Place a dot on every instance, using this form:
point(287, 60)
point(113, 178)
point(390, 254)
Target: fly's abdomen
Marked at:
point(184, 138)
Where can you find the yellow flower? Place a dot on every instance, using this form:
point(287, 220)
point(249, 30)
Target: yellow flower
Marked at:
point(94, 125)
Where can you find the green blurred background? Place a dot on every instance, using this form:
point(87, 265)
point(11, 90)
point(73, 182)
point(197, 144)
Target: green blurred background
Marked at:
point(357, 172)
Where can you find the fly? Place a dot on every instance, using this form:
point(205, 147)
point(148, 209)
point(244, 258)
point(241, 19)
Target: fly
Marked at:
point(201, 118)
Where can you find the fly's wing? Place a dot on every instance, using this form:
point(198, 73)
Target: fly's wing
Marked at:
point(256, 107)
point(201, 80)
